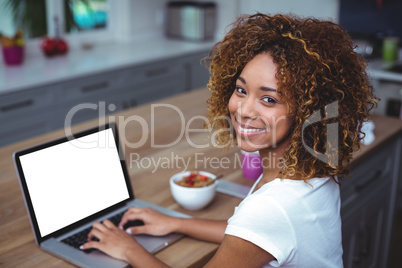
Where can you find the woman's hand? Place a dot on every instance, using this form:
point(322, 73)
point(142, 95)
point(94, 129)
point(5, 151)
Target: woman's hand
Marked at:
point(112, 241)
point(155, 223)
point(120, 245)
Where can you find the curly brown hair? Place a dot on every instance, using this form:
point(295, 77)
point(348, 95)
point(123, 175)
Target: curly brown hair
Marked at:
point(317, 66)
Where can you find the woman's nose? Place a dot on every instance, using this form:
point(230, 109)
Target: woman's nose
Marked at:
point(247, 109)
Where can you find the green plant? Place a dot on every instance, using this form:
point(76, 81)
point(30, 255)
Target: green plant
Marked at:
point(31, 15)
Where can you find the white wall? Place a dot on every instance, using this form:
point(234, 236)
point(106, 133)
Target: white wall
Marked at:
point(147, 15)
point(324, 9)
point(142, 18)
point(228, 11)
point(139, 19)
point(7, 26)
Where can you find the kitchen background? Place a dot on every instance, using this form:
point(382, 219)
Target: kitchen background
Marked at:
point(123, 57)
point(129, 20)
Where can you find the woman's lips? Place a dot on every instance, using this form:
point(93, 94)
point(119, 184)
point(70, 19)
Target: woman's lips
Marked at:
point(247, 131)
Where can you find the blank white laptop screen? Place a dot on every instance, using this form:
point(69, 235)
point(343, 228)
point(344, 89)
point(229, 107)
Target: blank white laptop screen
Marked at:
point(75, 179)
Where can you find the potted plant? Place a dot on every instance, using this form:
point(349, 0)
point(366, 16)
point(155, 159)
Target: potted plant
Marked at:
point(13, 48)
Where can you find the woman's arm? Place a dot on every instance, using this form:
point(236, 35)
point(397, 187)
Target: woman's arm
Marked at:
point(207, 230)
point(156, 223)
point(236, 252)
point(233, 252)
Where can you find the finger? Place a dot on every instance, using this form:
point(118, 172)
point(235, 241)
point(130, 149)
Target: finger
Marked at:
point(131, 214)
point(137, 230)
point(99, 226)
point(124, 219)
point(95, 233)
point(107, 223)
point(90, 244)
point(134, 210)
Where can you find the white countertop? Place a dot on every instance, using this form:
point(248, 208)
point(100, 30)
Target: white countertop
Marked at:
point(40, 70)
point(376, 71)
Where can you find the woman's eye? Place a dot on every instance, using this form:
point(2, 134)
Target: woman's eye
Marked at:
point(240, 90)
point(269, 100)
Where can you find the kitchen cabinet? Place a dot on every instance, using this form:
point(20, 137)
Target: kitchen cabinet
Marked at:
point(25, 114)
point(363, 240)
point(32, 111)
point(197, 73)
point(369, 199)
point(387, 90)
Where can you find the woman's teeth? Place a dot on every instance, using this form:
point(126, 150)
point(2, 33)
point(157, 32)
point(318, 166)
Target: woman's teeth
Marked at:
point(249, 130)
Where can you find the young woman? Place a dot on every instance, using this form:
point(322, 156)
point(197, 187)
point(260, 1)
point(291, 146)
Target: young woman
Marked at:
point(294, 90)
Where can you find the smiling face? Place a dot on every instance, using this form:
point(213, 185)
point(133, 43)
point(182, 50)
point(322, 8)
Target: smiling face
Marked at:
point(258, 114)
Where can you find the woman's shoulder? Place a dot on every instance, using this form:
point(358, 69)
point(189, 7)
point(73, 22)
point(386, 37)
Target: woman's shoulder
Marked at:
point(291, 193)
point(289, 185)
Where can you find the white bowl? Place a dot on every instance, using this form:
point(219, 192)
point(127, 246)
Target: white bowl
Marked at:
point(192, 198)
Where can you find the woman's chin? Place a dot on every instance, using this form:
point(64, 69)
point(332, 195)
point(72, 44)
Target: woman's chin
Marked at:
point(248, 150)
point(247, 147)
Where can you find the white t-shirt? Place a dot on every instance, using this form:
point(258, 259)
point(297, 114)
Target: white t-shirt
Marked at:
point(299, 224)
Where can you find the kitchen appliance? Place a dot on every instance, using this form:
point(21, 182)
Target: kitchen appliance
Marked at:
point(195, 21)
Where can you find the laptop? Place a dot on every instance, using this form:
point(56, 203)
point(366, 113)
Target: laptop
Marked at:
point(73, 181)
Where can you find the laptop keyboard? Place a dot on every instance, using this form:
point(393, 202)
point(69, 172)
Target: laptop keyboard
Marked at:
point(76, 240)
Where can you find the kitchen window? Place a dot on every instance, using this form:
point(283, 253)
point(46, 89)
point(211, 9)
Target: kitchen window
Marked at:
point(88, 15)
point(77, 20)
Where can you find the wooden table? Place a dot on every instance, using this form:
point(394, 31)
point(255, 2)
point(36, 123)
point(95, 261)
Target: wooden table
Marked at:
point(17, 246)
point(165, 126)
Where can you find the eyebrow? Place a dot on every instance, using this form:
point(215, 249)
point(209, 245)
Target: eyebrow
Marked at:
point(263, 88)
